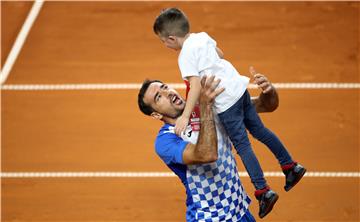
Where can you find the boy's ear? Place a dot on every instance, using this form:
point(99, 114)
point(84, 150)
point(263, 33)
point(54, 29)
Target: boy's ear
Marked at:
point(156, 115)
point(172, 37)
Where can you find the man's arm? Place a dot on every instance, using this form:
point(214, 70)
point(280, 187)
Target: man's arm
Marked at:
point(268, 100)
point(205, 150)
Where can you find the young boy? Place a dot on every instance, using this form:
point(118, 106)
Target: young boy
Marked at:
point(200, 56)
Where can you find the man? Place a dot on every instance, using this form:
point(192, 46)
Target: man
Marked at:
point(202, 159)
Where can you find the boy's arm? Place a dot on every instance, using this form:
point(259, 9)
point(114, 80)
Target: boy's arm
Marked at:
point(205, 150)
point(193, 96)
point(220, 53)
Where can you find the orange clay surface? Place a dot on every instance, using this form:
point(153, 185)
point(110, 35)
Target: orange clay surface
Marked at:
point(102, 130)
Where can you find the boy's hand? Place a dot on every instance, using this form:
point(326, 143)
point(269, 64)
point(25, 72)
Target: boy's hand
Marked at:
point(181, 124)
point(260, 80)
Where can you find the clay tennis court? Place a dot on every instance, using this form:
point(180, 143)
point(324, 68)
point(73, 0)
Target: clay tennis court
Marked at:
point(101, 131)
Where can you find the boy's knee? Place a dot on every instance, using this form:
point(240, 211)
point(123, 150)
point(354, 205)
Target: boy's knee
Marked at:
point(259, 133)
point(243, 149)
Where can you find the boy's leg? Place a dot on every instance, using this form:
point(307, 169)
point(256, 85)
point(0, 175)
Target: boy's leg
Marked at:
point(257, 129)
point(232, 120)
point(292, 170)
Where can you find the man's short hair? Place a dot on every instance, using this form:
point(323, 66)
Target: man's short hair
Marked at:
point(171, 21)
point(145, 108)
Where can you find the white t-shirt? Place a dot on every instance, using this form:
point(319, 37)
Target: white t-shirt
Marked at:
point(198, 57)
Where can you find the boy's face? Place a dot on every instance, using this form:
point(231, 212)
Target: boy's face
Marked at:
point(170, 42)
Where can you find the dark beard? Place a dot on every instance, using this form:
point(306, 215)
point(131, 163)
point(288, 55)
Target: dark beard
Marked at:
point(174, 116)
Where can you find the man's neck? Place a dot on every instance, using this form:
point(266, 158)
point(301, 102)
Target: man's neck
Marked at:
point(169, 120)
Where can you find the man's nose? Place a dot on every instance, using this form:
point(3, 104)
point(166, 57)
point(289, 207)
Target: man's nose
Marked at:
point(165, 92)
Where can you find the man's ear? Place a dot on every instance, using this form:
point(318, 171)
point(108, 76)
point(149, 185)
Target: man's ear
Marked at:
point(156, 115)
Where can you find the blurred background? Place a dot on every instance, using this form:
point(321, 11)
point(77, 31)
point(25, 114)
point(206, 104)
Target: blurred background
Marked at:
point(101, 130)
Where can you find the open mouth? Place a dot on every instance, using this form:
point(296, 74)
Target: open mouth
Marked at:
point(176, 100)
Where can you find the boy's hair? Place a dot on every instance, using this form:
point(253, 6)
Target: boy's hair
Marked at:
point(171, 21)
point(145, 108)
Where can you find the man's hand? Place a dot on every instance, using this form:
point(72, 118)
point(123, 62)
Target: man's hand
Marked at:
point(205, 150)
point(268, 100)
point(262, 82)
point(209, 90)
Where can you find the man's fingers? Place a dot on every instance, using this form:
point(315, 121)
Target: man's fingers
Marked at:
point(264, 85)
point(215, 84)
point(252, 71)
point(268, 89)
point(217, 92)
point(210, 88)
point(258, 75)
point(209, 81)
point(203, 80)
point(260, 80)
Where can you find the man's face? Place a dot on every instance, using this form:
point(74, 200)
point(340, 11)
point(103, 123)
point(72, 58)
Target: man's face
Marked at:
point(164, 100)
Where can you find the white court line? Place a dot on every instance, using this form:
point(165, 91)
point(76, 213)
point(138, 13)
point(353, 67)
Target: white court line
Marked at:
point(173, 85)
point(153, 174)
point(19, 42)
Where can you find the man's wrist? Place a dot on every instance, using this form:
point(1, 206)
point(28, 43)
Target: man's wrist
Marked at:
point(206, 105)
